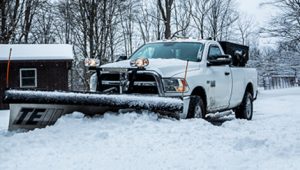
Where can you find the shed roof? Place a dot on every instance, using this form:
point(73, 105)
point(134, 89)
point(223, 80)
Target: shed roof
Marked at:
point(36, 52)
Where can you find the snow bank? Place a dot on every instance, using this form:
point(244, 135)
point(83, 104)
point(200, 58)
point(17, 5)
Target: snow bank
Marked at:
point(143, 141)
point(4, 120)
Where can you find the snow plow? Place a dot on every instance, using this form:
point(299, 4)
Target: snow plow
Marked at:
point(37, 109)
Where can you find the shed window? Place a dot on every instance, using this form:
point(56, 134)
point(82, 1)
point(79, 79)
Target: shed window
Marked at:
point(28, 77)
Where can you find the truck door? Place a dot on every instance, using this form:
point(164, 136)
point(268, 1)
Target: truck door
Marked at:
point(219, 81)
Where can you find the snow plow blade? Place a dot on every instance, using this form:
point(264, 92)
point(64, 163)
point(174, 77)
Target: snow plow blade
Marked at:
point(37, 109)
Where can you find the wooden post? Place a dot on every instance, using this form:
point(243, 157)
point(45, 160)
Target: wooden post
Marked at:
point(8, 69)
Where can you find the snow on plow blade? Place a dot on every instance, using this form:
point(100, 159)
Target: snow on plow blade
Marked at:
point(37, 109)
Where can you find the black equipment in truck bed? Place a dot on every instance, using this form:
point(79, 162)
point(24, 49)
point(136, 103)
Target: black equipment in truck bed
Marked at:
point(239, 53)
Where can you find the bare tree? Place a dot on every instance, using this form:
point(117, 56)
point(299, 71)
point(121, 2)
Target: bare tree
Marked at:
point(43, 30)
point(214, 17)
point(287, 23)
point(103, 28)
point(29, 13)
point(166, 11)
point(148, 20)
point(221, 17)
point(10, 14)
point(112, 29)
point(126, 12)
point(286, 26)
point(65, 23)
point(144, 21)
point(182, 17)
point(245, 28)
point(199, 13)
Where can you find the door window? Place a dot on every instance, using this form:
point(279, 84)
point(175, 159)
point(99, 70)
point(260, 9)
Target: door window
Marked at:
point(214, 51)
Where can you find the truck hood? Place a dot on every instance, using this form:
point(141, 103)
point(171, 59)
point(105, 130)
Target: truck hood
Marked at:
point(165, 67)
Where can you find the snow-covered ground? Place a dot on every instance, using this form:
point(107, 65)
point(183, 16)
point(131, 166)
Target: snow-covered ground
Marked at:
point(142, 141)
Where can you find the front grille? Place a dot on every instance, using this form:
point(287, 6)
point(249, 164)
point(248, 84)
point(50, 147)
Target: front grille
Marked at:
point(144, 90)
point(144, 77)
point(110, 77)
point(143, 83)
point(116, 77)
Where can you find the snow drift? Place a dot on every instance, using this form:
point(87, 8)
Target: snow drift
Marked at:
point(143, 141)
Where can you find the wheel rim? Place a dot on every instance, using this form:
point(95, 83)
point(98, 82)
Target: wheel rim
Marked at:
point(198, 112)
point(248, 107)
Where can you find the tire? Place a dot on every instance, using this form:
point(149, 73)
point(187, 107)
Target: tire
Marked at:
point(196, 108)
point(245, 110)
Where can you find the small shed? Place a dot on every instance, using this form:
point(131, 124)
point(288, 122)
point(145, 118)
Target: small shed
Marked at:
point(35, 66)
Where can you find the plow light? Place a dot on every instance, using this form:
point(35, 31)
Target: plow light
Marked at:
point(91, 62)
point(140, 62)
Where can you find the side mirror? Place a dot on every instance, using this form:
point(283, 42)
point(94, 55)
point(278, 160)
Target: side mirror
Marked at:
point(121, 58)
point(219, 60)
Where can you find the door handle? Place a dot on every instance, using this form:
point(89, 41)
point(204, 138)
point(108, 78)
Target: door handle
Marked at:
point(227, 73)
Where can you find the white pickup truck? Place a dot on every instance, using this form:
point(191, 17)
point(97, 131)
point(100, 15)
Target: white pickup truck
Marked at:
point(177, 78)
point(196, 71)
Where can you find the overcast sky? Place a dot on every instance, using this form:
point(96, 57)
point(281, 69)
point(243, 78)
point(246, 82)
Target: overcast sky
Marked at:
point(261, 15)
point(253, 8)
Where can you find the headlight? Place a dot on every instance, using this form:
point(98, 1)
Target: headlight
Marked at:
point(140, 62)
point(91, 62)
point(175, 85)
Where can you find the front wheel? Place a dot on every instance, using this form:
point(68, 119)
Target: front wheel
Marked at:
point(245, 110)
point(196, 108)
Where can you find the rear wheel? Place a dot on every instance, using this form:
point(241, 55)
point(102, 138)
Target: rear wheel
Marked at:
point(245, 110)
point(196, 108)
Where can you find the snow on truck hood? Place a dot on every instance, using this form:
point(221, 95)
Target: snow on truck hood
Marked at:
point(165, 67)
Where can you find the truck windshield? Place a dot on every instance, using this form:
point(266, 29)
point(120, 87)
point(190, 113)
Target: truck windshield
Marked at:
point(170, 50)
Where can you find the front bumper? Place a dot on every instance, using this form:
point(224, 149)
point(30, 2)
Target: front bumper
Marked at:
point(128, 78)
